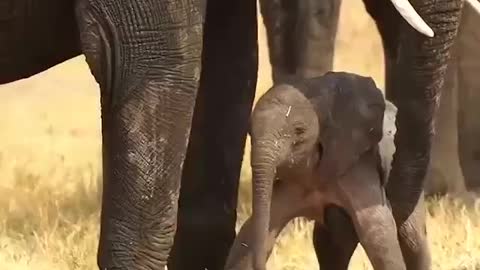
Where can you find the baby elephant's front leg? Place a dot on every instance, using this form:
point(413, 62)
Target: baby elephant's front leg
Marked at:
point(287, 203)
point(372, 218)
point(377, 232)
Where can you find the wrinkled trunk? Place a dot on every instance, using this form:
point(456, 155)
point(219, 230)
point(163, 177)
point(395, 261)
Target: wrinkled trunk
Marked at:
point(414, 87)
point(265, 157)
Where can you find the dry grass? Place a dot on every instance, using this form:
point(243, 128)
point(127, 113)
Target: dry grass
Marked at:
point(50, 170)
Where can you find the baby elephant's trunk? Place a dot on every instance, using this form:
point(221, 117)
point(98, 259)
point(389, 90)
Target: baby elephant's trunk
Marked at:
point(265, 158)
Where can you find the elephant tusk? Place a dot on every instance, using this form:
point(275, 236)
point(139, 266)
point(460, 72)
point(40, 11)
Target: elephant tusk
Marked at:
point(475, 4)
point(411, 16)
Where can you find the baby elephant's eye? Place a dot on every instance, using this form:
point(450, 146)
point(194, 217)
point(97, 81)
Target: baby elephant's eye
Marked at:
point(299, 130)
point(375, 133)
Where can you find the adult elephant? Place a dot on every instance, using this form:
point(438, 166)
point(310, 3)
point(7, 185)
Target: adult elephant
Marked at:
point(151, 56)
point(455, 163)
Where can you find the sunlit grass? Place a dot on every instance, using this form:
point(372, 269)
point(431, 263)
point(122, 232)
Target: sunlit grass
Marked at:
point(48, 225)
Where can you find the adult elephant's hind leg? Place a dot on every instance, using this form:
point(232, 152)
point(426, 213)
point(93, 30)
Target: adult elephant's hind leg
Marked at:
point(208, 201)
point(146, 57)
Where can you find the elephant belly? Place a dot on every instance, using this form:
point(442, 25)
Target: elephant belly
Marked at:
point(34, 36)
point(317, 201)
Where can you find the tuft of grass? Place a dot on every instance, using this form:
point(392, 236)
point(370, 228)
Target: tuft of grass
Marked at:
point(50, 169)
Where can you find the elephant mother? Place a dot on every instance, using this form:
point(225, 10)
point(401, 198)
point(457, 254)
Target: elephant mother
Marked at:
point(151, 56)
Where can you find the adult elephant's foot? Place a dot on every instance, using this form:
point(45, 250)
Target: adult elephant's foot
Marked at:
point(146, 56)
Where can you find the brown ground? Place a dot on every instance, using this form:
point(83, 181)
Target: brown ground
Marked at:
point(50, 166)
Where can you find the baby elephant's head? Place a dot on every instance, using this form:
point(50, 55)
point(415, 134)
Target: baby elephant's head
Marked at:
point(284, 131)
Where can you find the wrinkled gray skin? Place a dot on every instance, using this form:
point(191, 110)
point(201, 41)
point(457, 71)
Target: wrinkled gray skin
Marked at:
point(316, 144)
point(173, 130)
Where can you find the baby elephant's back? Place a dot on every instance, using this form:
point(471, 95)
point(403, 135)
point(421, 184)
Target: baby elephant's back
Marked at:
point(341, 87)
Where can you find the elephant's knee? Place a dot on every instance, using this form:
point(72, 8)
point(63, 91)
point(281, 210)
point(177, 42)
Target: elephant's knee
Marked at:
point(97, 39)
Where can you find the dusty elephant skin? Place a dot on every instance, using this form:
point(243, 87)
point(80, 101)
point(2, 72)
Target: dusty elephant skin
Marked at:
point(318, 144)
point(150, 58)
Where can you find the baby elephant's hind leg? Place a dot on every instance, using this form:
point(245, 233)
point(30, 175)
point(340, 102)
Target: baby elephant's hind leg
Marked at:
point(372, 218)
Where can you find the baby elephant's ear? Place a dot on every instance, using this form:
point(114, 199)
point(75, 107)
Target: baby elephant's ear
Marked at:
point(386, 145)
point(355, 134)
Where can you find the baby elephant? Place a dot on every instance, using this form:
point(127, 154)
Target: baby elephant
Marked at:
point(318, 143)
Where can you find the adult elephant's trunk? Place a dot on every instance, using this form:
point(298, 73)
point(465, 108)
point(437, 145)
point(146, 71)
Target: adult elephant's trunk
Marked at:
point(266, 155)
point(414, 82)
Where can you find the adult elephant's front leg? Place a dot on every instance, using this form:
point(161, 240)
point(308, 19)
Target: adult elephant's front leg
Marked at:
point(208, 201)
point(146, 57)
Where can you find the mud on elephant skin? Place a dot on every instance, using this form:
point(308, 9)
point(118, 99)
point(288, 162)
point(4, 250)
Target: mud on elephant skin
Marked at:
point(319, 143)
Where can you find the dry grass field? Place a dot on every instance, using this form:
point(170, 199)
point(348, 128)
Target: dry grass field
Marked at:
point(50, 169)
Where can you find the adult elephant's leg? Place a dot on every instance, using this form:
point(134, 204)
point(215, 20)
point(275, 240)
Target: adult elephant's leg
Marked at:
point(300, 36)
point(445, 174)
point(468, 43)
point(335, 242)
point(415, 74)
point(208, 201)
point(146, 57)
